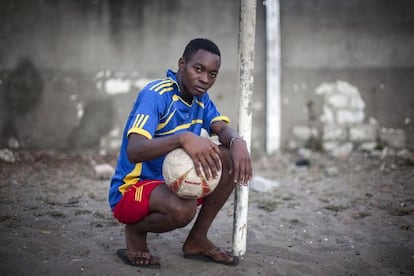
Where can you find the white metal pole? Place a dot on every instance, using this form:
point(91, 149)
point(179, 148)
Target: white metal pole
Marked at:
point(246, 67)
point(273, 77)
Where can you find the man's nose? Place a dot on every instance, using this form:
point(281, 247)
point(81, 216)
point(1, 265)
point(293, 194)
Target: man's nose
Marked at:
point(204, 77)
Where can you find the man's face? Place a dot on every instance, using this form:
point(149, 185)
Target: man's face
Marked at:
point(199, 73)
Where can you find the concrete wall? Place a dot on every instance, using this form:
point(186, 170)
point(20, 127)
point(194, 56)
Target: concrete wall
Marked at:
point(77, 45)
point(81, 48)
point(368, 44)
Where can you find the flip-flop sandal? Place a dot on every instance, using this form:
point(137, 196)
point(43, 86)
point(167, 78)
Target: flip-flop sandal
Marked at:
point(139, 259)
point(215, 255)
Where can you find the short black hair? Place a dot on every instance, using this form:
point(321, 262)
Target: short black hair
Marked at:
point(200, 43)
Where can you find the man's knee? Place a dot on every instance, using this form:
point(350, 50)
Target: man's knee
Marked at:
point(183, 213)
point(178, 212)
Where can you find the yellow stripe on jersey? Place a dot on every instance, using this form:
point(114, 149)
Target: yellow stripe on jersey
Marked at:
point(174, 99)
point(160, 83)
point(167, 84)
point(184, 126)
point(221, 118)
point(162, 125)
point(200, 103)
point(141, 121)
point(141, 131)
point(166, 90)
point(131, 178)
point(138, 125)
point(138, 120)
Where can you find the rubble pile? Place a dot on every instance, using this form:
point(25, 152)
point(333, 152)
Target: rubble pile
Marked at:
point(344, 126)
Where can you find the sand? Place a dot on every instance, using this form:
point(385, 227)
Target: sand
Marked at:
point(335, 217)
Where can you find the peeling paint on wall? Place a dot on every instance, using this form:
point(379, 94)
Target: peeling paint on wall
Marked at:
point(114, 83)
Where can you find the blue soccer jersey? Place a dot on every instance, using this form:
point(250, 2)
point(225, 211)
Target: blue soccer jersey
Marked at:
point(159, 111)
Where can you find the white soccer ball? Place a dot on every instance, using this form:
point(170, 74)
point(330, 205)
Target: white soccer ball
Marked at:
point(180, 176)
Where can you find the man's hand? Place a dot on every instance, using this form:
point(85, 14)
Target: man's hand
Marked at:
point(242, 166)
point(204, 153)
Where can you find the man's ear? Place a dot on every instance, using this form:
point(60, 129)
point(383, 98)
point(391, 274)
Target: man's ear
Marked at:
point(181, 63)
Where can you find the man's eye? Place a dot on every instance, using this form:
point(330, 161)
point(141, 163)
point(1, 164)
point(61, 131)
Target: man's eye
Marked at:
point(197, 69)
point(213, 75)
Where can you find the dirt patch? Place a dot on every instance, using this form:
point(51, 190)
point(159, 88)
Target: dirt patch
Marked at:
point(334, 217)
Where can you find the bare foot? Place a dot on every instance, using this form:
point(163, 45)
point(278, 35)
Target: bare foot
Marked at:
point(136, 241)
point(197, 245)
point(204, 250)
point(137, 252)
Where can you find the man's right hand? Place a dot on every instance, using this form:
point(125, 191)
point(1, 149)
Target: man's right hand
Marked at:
point(204, 153)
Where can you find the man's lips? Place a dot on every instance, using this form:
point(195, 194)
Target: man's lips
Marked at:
point(200, 89)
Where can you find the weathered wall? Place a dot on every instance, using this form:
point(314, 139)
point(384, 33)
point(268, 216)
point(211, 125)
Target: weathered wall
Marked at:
point(74, 44)
point(368, 44)
point(124, 35)
point(77, 46)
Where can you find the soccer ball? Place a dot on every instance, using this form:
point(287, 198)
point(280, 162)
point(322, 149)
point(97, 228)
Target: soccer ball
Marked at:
point(180, 176)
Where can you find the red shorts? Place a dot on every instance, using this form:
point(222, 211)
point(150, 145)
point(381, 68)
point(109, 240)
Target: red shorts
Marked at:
point(135, 203)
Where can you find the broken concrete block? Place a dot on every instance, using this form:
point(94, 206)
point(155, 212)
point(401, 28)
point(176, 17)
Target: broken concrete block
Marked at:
point(7, 156)
point(341, 150)
point(332, 132)
point(261, 184)
point(104, 171)
point(330, 145)
point(328, 116)
point(365, 132)
point(367, 146)
point(347, 88)
point(303, 133)
point(325, 89)
point(349, 116)
point(356, 102)
point(337, 100)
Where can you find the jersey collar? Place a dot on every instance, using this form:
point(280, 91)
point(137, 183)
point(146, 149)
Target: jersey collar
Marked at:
point(173, 76)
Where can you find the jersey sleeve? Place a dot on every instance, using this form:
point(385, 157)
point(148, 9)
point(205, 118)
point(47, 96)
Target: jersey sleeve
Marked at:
point(211, 114)
point(145, 114)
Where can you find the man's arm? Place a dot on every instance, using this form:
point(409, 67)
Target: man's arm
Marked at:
point(242, 166)
point(202, 151)
point(141, 149)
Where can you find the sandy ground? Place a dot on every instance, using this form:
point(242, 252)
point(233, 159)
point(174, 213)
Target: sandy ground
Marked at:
point(335, 217)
